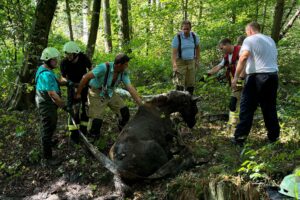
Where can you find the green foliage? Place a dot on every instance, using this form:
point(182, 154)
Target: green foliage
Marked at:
point(15, 17)
point(34, 156)
point(20, 131)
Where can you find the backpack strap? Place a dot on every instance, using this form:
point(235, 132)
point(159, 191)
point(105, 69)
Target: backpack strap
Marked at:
point(195, 43)
point(179, 45)
point(104, 86)
point(37, 77)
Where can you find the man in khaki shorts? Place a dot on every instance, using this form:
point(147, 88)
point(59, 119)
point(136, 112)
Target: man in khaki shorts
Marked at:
point(185, 58)
point(102, 81)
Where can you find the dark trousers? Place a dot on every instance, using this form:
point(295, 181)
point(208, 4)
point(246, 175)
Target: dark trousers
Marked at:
point(260, 89)
point(48, 117)
point(81, 119)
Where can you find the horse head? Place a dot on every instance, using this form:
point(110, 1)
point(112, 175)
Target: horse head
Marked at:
point(178, 101)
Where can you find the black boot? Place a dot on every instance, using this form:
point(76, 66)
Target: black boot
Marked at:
point(190, 90)
point(125, 117)
point(95, 128)
point(75, 136)
point(47, 150)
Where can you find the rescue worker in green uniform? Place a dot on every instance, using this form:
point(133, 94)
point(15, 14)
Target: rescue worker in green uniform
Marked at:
point(73, 67)
point(48, 99)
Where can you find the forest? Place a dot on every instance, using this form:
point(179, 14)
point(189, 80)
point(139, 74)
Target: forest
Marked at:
point(144, 30)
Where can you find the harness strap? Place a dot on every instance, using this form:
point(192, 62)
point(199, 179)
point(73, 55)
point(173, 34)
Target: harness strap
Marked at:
point(104, 86)
point(37, 77)
point(179, 44)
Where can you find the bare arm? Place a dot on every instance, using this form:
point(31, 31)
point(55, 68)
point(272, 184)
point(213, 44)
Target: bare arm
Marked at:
point(174, 56)
point(56, 99)
point(134, 94)
point(240, 69)
point(214, 70)
point(85, 79)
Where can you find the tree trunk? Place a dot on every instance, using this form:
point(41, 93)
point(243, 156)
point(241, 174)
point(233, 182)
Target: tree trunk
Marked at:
point(68, 11)
point(256, 10)
point(85, 24)
point(293, 4)
point(186, 10)
point(93, 29)
point(184, 4)
point(290, 24)
point(200, 10)
point(130, 20)
point(233, 15)
point(148, 28)
point(124, 25)
point(264, 15)
point(277, 19)
point(107, 26)
point(21, 98)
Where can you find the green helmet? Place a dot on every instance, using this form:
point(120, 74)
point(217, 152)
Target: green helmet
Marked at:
point(71, 47)
point(49, 53)
point(290, 186)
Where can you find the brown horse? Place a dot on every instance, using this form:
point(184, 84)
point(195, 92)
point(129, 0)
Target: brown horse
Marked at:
point(144, 144)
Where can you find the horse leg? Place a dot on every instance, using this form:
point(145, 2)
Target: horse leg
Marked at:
point(183, 161)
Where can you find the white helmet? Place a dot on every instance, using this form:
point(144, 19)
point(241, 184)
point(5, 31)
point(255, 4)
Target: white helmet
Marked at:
point(290, 186)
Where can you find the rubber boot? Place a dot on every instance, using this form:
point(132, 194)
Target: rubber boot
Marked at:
point(95, 128)
point(125, 117)
point(75, 136)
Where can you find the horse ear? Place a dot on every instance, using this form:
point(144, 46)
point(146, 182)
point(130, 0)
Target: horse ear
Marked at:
point(195, 99)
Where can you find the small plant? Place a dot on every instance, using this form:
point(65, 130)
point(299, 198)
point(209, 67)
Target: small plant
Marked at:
point(34, 156)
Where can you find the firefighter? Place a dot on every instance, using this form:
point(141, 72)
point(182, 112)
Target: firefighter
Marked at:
point(73, 67)
point(230, 60)
point(48, 100)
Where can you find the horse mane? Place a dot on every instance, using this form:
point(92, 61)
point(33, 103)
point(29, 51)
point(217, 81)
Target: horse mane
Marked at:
point(166, 99)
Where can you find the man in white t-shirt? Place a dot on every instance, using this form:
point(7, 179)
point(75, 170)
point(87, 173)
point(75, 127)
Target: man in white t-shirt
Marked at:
point(259, 55)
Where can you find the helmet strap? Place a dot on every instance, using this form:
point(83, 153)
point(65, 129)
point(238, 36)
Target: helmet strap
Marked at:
point(75, 57)
point(48, 63)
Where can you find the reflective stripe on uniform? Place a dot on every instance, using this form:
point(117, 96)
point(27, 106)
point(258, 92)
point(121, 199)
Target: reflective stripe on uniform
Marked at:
point(84, 123)
point(233, 118)
point(72, 127)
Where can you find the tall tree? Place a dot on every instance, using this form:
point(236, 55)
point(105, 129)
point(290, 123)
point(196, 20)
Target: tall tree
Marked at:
point(94, 28)
point(264, 15)
point(290, 24)
point(68, 11)
point(289, 12)
point(124, 25)
point(277, 19)
point(85, 24)
point(185, 9)
point(256, 10)
point(107, 26)
point(20, 98)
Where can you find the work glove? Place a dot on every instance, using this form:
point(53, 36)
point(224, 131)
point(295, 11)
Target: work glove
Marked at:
point(70, 83)
point(68, 110)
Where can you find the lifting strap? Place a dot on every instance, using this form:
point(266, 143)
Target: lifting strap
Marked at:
point(179, 44)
